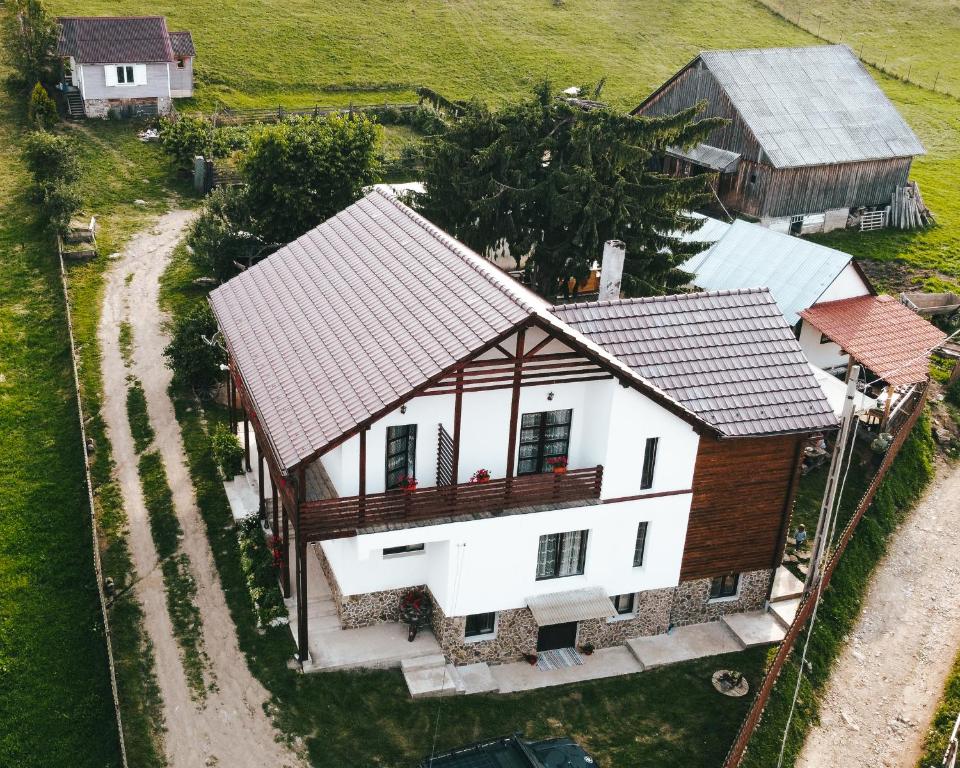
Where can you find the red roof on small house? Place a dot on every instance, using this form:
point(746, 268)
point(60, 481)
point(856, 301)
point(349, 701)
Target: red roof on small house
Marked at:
point(881, 333)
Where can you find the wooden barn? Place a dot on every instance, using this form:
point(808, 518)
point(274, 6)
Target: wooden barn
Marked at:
point(810, 137)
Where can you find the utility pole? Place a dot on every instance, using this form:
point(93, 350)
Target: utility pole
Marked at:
point(821, 543)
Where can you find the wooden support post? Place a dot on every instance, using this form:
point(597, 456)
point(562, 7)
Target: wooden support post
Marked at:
point(303, 647)
point(515, 407)
point(231, 396)
point(262, 509)
point(285, 549)
point(886, 407)
point(362, 484)
point(246, 440)
point(275, 528)
point(457, 417)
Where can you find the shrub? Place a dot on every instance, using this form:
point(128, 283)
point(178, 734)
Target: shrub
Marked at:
point(219, 236)
point(50, 158)
point(952, 393)
point(227, 451)
point(185, 137)
point(260, 572)
point(60, 200)
point(41, 109)
point(194, 362)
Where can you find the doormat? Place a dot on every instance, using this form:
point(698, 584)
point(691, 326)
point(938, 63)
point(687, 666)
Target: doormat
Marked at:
point(558, 658)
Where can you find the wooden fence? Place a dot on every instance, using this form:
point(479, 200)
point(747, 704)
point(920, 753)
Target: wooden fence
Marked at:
point(749, 725)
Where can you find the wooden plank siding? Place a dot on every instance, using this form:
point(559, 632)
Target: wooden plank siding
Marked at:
point(743, 491)
point(696, 83)
point(756, 188)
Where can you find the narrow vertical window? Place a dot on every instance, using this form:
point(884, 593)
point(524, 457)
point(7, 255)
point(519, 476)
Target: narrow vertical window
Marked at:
point(641, 545)
point(649, 463)
point(401, 454)
point(121, 75)
point(130, 74)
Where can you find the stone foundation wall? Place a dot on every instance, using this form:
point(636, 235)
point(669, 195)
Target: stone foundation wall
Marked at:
point(96, 107)
point(692, 604)
point(652, 617)
point(164, 105)
point(516, 634)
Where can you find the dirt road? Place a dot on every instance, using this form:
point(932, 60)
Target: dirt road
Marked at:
point(888, 680)
point(230, 727)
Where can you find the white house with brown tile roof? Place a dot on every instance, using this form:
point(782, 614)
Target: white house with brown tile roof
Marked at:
point(376, 349)
point(129, 63)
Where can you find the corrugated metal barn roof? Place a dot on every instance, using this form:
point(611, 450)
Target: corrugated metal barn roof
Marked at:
point(881, 333)
point(796, 271)
point(812, 106)
point(114, 39)
point(729, 356)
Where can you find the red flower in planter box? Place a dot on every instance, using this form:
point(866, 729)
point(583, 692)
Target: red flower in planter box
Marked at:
point(276, 548)
point(559, 464)
point(481, 476)
point(408, 483)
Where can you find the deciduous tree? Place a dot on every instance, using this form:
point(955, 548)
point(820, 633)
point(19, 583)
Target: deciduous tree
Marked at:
point(303, 171)
point(551, 178)
point(30, 39)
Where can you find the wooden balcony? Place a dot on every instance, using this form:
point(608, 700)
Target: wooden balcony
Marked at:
point(342, 517)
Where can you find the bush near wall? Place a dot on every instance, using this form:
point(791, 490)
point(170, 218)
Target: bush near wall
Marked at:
point(842, 601)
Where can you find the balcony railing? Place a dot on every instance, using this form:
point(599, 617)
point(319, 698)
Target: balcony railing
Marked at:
point(341, 517)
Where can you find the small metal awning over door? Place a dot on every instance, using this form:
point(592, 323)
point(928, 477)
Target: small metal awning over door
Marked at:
point(714, 158)
point(574, 605)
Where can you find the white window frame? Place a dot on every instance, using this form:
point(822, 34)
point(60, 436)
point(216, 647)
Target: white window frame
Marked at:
point(624, 616)
point(137, 71)
point(729, 598)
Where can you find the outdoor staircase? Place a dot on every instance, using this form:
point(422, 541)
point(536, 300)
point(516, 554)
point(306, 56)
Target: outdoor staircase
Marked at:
point(432, 675)
point(74, 103)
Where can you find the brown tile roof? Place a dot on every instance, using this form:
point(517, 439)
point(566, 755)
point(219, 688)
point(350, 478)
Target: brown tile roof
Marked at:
point(115, 39)
point(728, 356)
point(880, 333)
point(182, 44)
point(352, 317)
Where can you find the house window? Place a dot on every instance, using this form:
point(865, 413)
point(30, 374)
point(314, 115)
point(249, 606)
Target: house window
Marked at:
point(125, 75)
point(480, 625)
point(824, 339)
point(181, 63)
point(624, 604)
point(649, 462)
point(401, 454)
point(724, 586)
point(406, 549)
point(640, 546)
point(753, 178)
point(561, 554)
point(543, 436)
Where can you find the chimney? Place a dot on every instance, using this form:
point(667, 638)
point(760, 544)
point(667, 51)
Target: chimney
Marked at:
point(611, 269)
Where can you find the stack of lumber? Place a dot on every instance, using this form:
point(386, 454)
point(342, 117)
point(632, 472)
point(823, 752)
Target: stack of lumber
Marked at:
point(907, 210)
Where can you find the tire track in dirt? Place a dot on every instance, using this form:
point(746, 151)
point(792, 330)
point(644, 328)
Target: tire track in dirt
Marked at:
point(230, 727)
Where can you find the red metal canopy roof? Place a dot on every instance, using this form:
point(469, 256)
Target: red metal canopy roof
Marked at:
point(880, 333)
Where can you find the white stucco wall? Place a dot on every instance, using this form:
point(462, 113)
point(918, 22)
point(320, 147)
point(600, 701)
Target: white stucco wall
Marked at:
point(846, 285)
point(821, 355)
point(490, 565)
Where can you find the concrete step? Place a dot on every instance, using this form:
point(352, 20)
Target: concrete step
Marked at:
point(755, 628)
point(424, 682)
point(786, 586)
point(423, 662)
point(683, 644)
point(785, 610)
point(323, 623)
point(477, 678)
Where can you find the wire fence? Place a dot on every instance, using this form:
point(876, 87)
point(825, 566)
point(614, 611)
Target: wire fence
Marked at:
point(929, 77)
point(805, 610)
point(98, 566)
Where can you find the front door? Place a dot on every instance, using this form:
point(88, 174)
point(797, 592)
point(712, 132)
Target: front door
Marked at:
point(553, 636)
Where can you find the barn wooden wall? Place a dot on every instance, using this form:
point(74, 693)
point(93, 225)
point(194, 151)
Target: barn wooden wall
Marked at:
point(742, 494)
point(774, 192)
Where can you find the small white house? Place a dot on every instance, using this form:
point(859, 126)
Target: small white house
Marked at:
point(549, 476)
point(128, 63)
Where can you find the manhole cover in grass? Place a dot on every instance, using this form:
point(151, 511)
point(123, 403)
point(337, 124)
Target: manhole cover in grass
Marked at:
point(730, 683)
